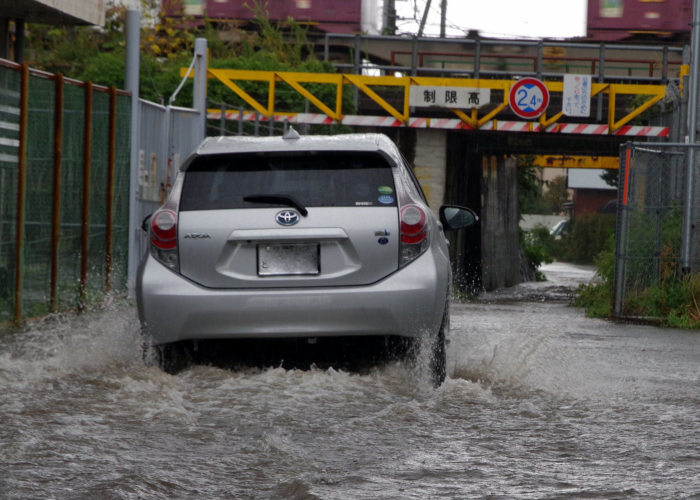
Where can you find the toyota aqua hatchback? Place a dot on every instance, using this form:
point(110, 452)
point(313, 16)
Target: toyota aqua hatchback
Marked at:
point(297, 237)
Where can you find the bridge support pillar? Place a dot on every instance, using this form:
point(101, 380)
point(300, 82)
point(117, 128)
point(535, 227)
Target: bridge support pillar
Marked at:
point(486, 257)
point(500, 238)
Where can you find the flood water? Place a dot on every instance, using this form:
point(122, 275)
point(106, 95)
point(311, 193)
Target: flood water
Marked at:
point(540, 402)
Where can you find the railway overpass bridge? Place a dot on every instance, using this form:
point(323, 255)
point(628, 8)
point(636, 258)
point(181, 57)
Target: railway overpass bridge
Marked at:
point(464, 152)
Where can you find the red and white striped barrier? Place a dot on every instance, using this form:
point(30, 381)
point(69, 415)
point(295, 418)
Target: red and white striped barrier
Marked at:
point(511, 126)
point(446, 123)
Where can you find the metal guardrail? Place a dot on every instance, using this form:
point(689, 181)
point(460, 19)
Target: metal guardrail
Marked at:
point(475, 50)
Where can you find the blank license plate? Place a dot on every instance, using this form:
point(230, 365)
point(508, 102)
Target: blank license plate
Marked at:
point(290, 259)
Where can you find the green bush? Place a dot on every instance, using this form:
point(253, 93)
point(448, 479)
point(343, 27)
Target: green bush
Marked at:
point(688, 314)
point(536, 250)
point(587, 238)
point(597, 298)
point(541, 237)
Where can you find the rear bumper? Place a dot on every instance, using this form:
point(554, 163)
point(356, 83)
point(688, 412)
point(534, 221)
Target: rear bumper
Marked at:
point(408, 303)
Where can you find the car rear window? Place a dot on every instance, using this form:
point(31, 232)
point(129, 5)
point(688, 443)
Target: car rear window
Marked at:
point(336, 179)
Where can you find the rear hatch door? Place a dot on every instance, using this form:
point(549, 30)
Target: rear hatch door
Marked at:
point(242, 222)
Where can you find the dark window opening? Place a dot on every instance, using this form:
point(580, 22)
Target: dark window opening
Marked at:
point(315, 179)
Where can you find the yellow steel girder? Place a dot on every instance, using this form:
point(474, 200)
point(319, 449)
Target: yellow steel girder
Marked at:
point(566, 161)
point(228, 77)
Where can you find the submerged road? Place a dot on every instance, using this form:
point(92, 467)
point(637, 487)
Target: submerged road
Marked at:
point(540, 402)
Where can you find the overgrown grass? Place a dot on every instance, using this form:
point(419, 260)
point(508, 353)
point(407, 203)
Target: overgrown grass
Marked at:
point(597, 298)
point(673, 299)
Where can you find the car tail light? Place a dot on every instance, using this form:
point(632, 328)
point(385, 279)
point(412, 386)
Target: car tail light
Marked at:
point(412, 225)
point(163, 229)
point(415, 231)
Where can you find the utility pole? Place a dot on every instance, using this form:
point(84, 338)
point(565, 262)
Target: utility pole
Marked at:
point(131, 80)
point(443, 17)
point(389, 17)
point(692, 134)
point(425, 18)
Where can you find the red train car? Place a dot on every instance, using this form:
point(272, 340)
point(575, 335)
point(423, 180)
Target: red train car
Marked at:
point(640, 20)
point(329, 16)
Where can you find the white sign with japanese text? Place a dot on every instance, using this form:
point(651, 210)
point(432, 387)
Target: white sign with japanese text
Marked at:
point(577, 95)
point(448, 97)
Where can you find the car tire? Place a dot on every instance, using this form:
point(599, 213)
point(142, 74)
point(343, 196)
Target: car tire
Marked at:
point(172, 357)
point(438, 355)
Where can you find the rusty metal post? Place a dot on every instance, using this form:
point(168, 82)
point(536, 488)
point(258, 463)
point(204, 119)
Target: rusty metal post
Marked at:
point(111, 154)
point(21, 188)
point(222, 120)
point(357, 62)
point(85, 226)
point(56, 212)
point(664, 66)
point(687, 224)
point(414, 56)
point(601, 79)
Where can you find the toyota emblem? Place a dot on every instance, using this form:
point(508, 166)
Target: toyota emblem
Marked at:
point(287, 218)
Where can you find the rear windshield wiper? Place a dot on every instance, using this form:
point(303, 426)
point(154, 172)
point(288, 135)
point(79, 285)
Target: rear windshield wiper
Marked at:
point(278, 199)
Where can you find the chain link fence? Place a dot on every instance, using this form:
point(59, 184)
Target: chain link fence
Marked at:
point(10, 82)
point(64, 186)
point(650, 216)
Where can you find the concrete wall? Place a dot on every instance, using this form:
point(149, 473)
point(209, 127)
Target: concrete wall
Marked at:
point(529, 221)
point(500, 239)
point(430, 164)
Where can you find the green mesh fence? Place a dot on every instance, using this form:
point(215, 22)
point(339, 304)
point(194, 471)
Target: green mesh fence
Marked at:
point(69, 245)
point(39, 197)
point(98, 195)
point(9, 142)
point(120, 211)
point(38, 212)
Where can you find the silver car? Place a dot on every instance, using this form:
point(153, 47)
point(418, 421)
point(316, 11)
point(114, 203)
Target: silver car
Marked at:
point(297, 237)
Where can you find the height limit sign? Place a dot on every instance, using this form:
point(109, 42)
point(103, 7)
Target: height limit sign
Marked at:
point(528, 98)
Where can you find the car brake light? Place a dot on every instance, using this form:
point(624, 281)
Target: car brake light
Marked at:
point(413, 220)
point(163, 233)
point(164, 230)
point(412, 225)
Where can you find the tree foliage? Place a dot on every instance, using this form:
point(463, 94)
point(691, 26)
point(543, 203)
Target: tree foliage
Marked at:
point(97, 55)
point(610, 176)
point(530, 187)
point(557, 194)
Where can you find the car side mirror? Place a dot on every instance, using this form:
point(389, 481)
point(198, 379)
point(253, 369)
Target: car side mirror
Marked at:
point(454, 217)
point(146, 222)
